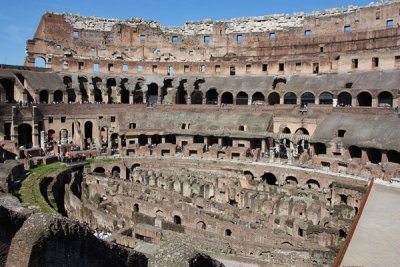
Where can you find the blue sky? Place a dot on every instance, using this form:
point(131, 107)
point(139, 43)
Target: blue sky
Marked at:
point(19, 18)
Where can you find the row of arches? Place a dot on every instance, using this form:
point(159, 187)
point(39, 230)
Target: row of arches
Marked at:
point(372, 154)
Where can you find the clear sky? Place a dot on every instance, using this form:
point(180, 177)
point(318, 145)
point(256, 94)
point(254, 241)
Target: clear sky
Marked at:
point(19, 18)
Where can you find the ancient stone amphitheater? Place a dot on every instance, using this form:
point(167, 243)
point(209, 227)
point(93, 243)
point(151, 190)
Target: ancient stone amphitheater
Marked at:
point(244, 142)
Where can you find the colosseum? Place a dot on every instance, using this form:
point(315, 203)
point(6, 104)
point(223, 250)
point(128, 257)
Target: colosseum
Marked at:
point(255, 141)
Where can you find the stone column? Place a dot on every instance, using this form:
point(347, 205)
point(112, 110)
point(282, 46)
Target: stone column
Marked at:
point(220, 141)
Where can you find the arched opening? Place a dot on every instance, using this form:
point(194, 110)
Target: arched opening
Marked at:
point(67, 80)
point(177, 220)
point(269, 178)
point(286, 130)
point(181, 96)
point(355, 152)
point(124, 91)
point(393, 156)
point(71, 95)
point(196, 97)
point(136, 207)
point(242, 98)
point(25, 135)
point(111, 85)
point(114, 138)
point(319, 149)
point(212, 97)
point(156, 139)
point(274, 99)
point(115, 172)
point(51, 134)
point(302, 131)
point(137, 96)
point(258, 98)
point(364, 99)
point(8, 87)
point(344, 99)
point(249, 175)
point(278, 83)
point(326, 98)
point(228, 232)
point(99, 170)
point(201, 225)
point(313, 184)
point(83, 89)
point(143, 140)
point(88, 132)
point(385, 99)
point(152, 93)
point(290, 98)
point(58, 96)
point(374, 155)
point(227, 98)
point(291, 180)
point(98, 96)
point(342, 235)
point(44, 97)
point(40, 62)
point(307, 98)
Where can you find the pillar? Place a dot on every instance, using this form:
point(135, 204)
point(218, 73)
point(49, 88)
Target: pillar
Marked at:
point(149, 140)
point(220, 141)
point(263, 145)
point(374, 102)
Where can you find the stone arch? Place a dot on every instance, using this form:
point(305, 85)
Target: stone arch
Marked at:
point(83, 86)
point(136, 207)
point(227, 98)
point(51, 134)
point(40, 62)
point(344, 99)
point(249, 175)
point(58, 96)
point(269, 178)
point(290, 98)
point(286, 130)
point(302, 131)
point(181, 94)
point(88, 130)
point(307, 98)
point(291, 180)
point(320, 149)
point(313, 184)
point(152, 93)
point(177, 220)
point(99, 170)
point(8, 87)
point(196, 98)
point(124, 92)
point(385, 98)
point(44, 97)
point(355, 152)
point(67, 80)
point(137, 96)
point(201, 225)
point(364, 99)
point(242, 98)
point(258, 98)
point(25, 135)
point(274, 99)
point(278, 83)
point(212, 96)
point(115, 172)
point(228, 232)
point(326, 98)
point(111, 85)
point(374, 155)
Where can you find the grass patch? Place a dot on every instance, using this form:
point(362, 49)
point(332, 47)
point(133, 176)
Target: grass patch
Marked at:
point(30, 194)
point(106, 160)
